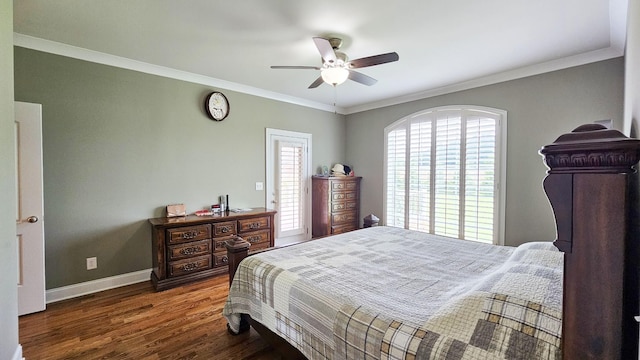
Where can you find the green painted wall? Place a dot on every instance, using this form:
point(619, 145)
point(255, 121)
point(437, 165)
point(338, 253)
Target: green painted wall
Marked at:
point(539, 109)
point(8, 244)
point(120, 145)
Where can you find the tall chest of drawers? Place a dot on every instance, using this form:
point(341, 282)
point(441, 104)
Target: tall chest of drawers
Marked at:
point(192, 247)
point(336, 204)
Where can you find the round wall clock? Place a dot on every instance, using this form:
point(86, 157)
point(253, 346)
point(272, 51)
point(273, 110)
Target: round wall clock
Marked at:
point(217, 106)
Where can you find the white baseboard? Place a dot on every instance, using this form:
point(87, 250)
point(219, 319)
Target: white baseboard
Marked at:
point(17, 355)
point(90, 287)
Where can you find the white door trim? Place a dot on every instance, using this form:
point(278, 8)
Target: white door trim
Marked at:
point(271, 136)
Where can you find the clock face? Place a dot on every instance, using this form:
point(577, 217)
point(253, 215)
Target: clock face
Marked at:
point(217, 106)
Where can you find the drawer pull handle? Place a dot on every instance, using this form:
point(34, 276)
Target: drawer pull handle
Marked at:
point(255, 225)
point(190, 250)
point(190, 266)
point(225, 229)
point(190, 234)
point(225, 259)
point(253, 239)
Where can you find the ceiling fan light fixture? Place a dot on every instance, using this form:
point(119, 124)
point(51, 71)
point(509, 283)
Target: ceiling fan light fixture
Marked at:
point(334, 75)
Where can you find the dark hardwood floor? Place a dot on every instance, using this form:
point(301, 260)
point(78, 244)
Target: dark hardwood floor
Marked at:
point(135, 322)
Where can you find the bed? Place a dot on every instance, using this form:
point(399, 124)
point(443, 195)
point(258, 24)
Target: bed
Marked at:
point(390, 293)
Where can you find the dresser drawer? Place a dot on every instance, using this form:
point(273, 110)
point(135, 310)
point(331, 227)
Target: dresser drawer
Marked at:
point(220, 259)
point(257, 237)
point(344, 217)
point(339, 229)
point(344, 195)
point(344, 185)
point(219, 243)
point(337, 206)
point(191, 249)
point(190, 233)
point(226, 228)
point(254, 224)
point(188, 266)
point(259, 246)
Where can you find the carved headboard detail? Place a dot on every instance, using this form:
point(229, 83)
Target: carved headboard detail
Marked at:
point(590, 185)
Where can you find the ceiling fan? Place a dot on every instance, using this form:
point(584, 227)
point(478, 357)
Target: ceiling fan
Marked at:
point(336, 67)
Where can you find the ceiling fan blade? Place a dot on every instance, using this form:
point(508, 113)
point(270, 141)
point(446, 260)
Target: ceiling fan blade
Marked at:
point(295, 67)
point(316, 83)
point(361, 78)
point(374, 60)
point(325, 49)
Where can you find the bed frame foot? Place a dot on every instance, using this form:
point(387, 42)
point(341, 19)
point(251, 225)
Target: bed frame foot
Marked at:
point(244, 325)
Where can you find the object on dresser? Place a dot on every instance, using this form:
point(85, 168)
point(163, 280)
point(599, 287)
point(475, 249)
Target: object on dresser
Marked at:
point(203, 213)
point(223, 203)
point(341, 170)
point(216, 208)
point(174, 210)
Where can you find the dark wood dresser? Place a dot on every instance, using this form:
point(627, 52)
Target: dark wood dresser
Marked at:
point(192, 247)
point(336, 204)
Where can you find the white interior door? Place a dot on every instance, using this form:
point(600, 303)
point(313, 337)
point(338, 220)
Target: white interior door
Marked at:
point(29, 217)
point(288, 176)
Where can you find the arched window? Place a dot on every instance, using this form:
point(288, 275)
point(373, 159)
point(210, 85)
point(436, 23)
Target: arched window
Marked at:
point(444, 172)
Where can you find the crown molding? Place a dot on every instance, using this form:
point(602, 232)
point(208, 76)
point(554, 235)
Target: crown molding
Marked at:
point(537, 69)
point(34, 43)
point(75, 52)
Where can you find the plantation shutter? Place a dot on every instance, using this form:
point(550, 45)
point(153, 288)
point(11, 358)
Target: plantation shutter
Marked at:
point(446, 208)
point(396, 177)
point(480, 178)
point(420, 181)
point(291, 185)
point(445, 174)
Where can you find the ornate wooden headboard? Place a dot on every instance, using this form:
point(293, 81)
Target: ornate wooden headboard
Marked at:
point(592, 187)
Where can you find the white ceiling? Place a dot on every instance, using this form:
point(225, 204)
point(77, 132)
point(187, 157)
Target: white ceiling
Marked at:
point(444, 45)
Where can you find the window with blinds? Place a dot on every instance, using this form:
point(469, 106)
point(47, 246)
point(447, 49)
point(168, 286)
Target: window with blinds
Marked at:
point(443, 173)
point(291, 186)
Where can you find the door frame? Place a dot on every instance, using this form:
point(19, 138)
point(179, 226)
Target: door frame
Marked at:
point(271, 136)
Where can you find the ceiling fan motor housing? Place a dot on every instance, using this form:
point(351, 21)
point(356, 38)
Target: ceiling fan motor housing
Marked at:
point(341, 60)
point(336, 67)
point(335, 43)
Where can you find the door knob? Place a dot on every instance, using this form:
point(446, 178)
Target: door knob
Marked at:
point(32, 219)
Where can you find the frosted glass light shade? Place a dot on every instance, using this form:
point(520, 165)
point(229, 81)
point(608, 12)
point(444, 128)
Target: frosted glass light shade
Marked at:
point(334, 76)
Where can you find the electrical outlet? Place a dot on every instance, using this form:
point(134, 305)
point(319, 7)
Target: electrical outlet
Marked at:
point(259, 186)
point(92, 263)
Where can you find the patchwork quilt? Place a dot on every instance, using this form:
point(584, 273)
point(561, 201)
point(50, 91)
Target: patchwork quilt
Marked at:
point(391, 293)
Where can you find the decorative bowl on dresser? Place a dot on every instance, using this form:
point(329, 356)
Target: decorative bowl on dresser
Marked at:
point(192, 247)
point(336, 204)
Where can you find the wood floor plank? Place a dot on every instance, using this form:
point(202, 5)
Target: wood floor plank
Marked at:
point(135, 322)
